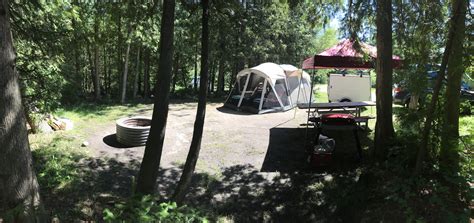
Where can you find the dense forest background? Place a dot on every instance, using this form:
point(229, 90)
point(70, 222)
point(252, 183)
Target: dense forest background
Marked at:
point(89, 56)
point(107, 50)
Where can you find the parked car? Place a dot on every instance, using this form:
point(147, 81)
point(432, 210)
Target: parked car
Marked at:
point(402, 96)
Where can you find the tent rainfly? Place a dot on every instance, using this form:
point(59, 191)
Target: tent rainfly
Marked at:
point(269, 87)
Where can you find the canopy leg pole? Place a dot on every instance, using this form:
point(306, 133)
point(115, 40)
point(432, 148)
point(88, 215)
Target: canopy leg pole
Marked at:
point(309, 109)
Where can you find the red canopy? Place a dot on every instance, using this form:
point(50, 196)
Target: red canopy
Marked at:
point(345, 56)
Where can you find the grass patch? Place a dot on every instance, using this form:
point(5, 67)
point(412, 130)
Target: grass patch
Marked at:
point(56, 157)
point(101, 113)
point(466, 130)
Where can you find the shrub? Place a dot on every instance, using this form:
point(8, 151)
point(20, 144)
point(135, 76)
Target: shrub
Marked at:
point(148, 209)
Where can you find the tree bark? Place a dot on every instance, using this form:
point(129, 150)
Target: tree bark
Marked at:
point(19, 188)
point(136, 76)
point(384, 126)
point(220, 77)
point(175, 72)
point(449, 153)
point(91, 66)
point(119, 42)
point(151, 159)
point(413, 102)
point(195, 69)
point(185, 80)
point(96, 61)
point(106, 74)
point(123, 91)
point(195, 147)
point(146, 75)
point(212, 74)
point(436, 90)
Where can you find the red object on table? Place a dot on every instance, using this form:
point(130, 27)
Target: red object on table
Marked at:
point(337, 119)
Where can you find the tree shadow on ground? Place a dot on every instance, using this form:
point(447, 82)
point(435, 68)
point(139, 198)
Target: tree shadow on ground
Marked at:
point(241, 193)
point(284, 189)
point(287, 150)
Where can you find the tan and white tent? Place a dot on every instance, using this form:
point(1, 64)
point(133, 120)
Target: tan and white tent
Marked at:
point(269, 87)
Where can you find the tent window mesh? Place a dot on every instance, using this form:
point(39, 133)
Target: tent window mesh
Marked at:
point(272, 100)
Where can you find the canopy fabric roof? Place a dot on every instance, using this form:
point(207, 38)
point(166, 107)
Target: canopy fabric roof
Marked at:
point(345, 55)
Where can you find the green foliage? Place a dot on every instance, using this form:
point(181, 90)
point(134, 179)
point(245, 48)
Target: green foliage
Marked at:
point(38, 45)
point(41, 77)
point(56, 159)
point(58, 43)
point(425, 197)
point(422, 198)
point(466, 107)
point(148, 209)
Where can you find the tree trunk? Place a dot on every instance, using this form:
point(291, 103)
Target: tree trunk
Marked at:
point(195, 147)
point(384, 126)
point(146, 75)
point(31, 121)
point(77, 48)
point(413, 102)
point(123, 91)
point(175, 72)
point(137, 75)
point(195, 69)
point(91, 65)
point(220, 77)
point(213, 76)
point(185, 80)
point(19, 188)
point(437, 88)
point(119, 42)
point(449, 153)
point(96, 61)
point(154, 146)
point(106, 74)
point(109, 77)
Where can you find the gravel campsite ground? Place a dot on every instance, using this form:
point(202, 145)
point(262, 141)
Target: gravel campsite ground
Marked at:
point(255, 160)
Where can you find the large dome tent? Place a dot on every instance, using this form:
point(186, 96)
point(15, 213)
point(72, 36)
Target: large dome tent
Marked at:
point(269, 87)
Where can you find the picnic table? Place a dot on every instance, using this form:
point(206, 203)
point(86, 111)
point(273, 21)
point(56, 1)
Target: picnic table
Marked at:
point(319, 120)
point(340, 107)
point(337, 106)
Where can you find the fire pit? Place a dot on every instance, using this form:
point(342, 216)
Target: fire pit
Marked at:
point(133, 131)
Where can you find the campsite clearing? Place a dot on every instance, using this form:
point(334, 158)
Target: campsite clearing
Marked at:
point(238, 150)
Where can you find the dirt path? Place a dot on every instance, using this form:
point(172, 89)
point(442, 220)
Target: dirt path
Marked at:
point(251, 168)
point(230, 138)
